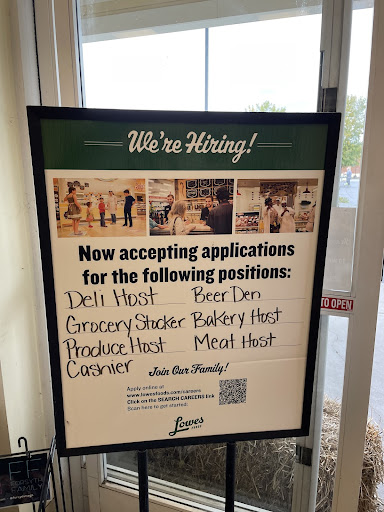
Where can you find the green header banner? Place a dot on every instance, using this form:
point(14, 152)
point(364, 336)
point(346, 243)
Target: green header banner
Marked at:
point(81, 144)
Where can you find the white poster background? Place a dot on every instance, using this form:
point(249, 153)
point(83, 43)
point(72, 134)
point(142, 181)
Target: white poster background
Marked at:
point(134, 406)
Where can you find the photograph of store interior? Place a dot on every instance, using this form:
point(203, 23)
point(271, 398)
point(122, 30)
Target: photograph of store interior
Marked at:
point(193, 191)
point(90, 190)
point(299, 195)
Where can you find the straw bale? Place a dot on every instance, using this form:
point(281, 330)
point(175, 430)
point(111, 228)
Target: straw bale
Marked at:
point(265, 469)
point(372, 469)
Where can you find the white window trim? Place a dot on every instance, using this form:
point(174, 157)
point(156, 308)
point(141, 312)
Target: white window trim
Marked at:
point(178, 494)
point(366, 282)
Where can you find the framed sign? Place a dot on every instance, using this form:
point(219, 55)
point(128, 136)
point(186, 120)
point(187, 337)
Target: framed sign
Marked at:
point(21, 479)
point(183, 258)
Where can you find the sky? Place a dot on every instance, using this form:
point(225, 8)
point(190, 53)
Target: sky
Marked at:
point(274, 60)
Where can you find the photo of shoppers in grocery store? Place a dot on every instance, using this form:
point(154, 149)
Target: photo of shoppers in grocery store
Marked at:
point(190, 206)
point(275, 206)
point(86, 207)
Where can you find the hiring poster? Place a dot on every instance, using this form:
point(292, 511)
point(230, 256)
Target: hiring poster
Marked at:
point(183, 257)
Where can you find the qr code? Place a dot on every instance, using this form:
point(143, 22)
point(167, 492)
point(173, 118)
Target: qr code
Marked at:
point(233, 391)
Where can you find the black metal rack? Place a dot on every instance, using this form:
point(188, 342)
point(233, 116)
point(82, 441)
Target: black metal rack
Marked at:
point(50, 478)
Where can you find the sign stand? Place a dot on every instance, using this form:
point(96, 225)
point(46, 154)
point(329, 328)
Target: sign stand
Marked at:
point(142, 461)
point(117, 299)
point(35, 469)
point(230, 478)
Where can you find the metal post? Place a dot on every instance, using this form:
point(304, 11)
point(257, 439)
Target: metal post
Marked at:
point(142, 462)
point(230, 478)
point(54, 484)
point(48, 468)
point(61, 484)
point(70, 482)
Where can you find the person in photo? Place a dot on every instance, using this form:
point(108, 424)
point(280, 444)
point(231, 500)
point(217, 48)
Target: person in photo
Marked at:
point(167, 208)
point(278, 207)
point(287, 221)
point(176, 219)
point(74, 210)
point(153, 224)
point(89, 218)
point(112, 206)
point(311, 219)
point(102, 213)
point(129, 200)
point(206, 210)
point(349, 176)
point(220, 218)
point(269, 216)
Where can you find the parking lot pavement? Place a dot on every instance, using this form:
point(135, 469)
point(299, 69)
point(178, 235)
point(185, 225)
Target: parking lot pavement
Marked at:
point(349, 194)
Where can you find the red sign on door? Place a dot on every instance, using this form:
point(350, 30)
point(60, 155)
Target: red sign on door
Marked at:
point(337, 304)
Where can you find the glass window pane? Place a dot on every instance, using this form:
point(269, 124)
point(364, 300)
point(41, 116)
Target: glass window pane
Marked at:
point(265, 63)
point(358, 76)
point(338, 268)
point(147, 72)
point(124, 460)
point(264, 473)
point(336, 342)
point(201, 466)
point(193, 474)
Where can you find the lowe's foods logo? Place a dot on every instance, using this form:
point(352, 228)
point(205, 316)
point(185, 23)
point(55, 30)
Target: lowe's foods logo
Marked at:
point(182, 426)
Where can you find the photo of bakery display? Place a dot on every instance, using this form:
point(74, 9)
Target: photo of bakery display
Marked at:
point(275, 206)
point(190, 206)
point(100, 207)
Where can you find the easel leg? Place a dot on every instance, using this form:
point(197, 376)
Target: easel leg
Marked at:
point(230, 478)
point(142, 461)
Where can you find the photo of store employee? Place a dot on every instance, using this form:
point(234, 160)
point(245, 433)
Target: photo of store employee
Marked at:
point(270, 217)
point(311, 219)
point(278, 207)
point(74, 210)
point(112, 206)
point(287, 222)
point(167, 208)
point(195, 205)
point(176, 220)
point(129, 200)
point(220, 218)
point(265, 206)
point(206, 210)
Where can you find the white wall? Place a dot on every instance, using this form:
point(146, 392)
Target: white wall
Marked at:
point(243, 202)
point(19, 349)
